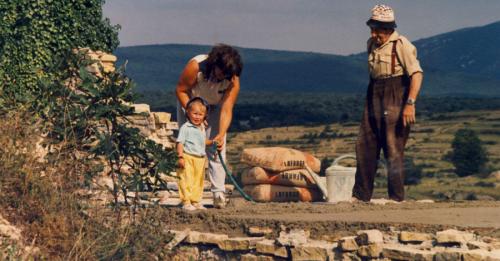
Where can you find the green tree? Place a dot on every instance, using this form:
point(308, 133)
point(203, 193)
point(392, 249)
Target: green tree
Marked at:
point(36, 34)
point(468, 156)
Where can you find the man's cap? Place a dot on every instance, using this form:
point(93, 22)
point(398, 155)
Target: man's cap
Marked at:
point(382, 17)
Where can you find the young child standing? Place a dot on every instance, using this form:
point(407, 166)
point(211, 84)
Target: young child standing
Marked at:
point(191, 143)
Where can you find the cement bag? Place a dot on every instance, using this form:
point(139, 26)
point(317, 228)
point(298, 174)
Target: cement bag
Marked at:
point(291, 178)
point(279, 159)
point(276, 193)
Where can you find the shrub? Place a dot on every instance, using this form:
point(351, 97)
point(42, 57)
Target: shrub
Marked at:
point(468, 154)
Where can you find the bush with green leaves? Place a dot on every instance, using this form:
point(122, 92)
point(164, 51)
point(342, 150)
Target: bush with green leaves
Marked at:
point(34, 35)
point(86, 115)
point(468, 155)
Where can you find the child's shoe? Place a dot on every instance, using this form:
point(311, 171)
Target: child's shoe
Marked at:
point(188, 207)
point(199, 206)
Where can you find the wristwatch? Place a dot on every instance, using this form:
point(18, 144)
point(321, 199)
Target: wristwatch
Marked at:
point(410, 101)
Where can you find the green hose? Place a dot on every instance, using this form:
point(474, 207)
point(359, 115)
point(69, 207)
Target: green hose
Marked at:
point(230, 175)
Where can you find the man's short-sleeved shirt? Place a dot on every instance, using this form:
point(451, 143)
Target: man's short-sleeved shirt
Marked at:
point(192, 138)
point(380, 58)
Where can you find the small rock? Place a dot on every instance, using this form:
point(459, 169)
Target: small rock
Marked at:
point(259, 231)
point(495, 175)
point(179, 236)
point(141, 108)
point(9, 231)
point(108, 58)
point(348, 244)
point(425, 201)
point(366, 237)
point(293, 238)
point(414, 237)
point(162, 117)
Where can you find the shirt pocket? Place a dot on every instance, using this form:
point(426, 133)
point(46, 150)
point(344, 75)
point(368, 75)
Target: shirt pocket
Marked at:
point(383, 62)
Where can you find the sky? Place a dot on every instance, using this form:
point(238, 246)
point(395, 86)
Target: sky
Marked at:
point(325, 26)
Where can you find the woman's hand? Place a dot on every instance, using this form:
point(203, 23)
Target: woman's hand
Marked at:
point(220, 141)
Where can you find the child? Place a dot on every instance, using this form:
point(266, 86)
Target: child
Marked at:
point(191, 152)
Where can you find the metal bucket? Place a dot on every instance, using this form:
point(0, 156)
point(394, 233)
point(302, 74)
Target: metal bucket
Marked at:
point(340, 180)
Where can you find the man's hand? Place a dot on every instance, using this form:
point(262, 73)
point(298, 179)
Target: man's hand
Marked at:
point(409, 115)
point(181, 163)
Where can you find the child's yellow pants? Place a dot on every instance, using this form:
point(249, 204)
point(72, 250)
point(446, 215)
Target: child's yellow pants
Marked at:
point(191, 179)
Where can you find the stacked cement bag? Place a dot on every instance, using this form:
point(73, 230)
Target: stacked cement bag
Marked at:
point(279, 175)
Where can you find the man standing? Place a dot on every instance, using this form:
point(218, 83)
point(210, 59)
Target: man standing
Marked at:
point(215, 78)
point(395, 80)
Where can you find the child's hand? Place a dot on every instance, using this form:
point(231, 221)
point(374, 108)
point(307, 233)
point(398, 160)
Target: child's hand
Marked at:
point(181, 163)
point(209, 142)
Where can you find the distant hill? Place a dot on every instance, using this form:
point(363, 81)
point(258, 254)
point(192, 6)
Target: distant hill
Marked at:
point(156, 67)
point(462, 62)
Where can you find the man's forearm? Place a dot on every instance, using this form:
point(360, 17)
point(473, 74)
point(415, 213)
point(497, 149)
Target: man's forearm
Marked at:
point(415, 84)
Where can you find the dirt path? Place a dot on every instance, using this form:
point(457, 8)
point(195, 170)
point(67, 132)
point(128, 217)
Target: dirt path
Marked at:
point(344, 218)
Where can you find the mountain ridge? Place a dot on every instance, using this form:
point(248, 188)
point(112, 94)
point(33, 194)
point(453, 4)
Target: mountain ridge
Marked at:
point(461, 62)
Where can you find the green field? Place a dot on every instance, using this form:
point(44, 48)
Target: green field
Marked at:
point(429, 142)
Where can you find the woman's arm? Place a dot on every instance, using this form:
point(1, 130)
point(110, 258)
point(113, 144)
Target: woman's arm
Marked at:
point(186, 82)
point(226, 114)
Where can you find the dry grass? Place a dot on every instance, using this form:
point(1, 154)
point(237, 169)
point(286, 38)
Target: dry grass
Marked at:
point(42, 199)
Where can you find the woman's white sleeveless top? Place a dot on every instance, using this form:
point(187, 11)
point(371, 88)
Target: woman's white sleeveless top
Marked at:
point(210, 91)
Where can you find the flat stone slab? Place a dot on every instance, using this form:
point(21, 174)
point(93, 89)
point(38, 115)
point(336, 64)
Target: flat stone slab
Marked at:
point(399, 252)
point(259, 231)
point(372, 236)
point(452, 236)
point(195, 237)
point(414, 237)
point(268, 246)
point(293, 238)
point(239, 243)
point(313, 250)
point(348, 244)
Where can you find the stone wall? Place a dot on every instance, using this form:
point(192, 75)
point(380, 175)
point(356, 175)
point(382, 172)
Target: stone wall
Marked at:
point(365, 245)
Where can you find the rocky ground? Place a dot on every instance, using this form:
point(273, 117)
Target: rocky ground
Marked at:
point(380, 230)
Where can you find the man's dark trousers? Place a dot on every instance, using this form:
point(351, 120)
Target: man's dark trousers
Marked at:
point(382, 129)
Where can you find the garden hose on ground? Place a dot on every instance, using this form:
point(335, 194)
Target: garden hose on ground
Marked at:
point(230, 175)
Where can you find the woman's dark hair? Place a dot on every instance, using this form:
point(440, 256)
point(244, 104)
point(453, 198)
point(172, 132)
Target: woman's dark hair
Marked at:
point(225, 58)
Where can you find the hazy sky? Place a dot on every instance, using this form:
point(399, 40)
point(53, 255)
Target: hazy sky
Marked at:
point(328, 26)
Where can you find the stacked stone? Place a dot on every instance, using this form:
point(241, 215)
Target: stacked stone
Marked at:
point(155, 126)
point(365, 245)
point(104, 62)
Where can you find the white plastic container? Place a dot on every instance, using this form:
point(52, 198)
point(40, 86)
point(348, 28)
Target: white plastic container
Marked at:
point(340, 180)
